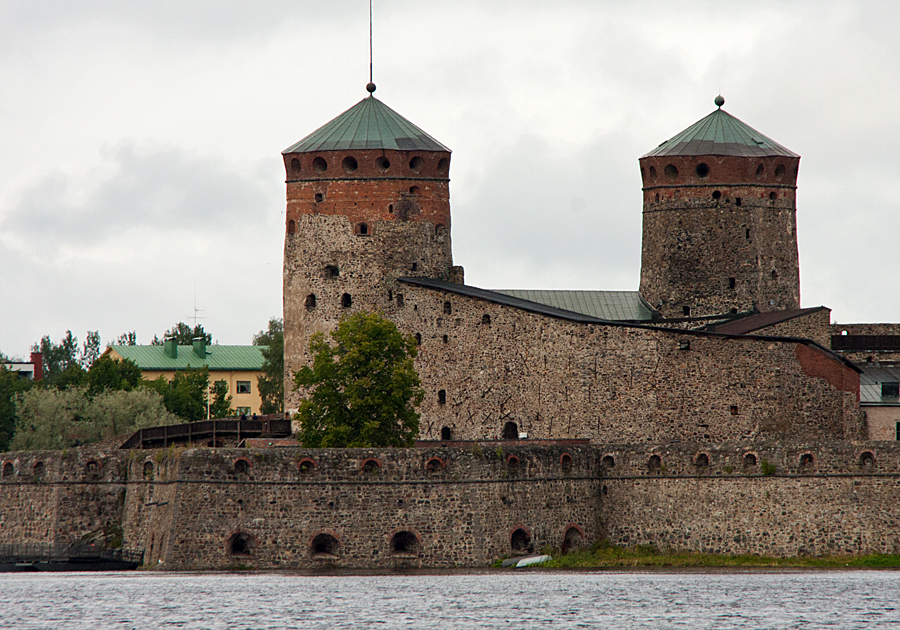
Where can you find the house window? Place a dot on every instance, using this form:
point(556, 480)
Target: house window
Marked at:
point(243, 387)
point(890, 390)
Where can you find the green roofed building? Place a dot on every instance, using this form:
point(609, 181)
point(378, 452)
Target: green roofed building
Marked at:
point(238, 366)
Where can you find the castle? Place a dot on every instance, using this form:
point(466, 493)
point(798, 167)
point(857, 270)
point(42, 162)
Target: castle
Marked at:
point(707, 411)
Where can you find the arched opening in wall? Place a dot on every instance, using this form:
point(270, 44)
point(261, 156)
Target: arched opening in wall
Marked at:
point(349, 164)
point(686, 311)
point(148, 470)
point(295, 166)
point(442, 397)
point(362, 229)
point(320, 165)
point(657, 197)
point(414, 266)
point(241, 466)
point(332, 271)
point(8, 469)
point(701, 461)
point(486, 319)
point(867, 461)
point(418, 339)
point(773, 196)
point(510, 431)
point(653, 177)
point(399, 300)
point(292, 226)
point(405, 543)
point(443, 166)
point(306, 466)
point(382, 164)
point(702, 170)
point(732, 283)
point(447, 308)
point(446, 433)
point(319, 197)
point(513, 465)
point(806, 461)
point(749, 460)
point(774, 275)
point(416, 164)
point(779, 172)
point(573, 540)
point(370, 466)
point(240, 544)
point(717, 194)
point(92, 469)
point(670, 171)
point(608, 462)
point(415, 190)
point(760, 171)
point(434, 465)
point(310, 302)
point(654, 464)
point(520, 541)
point(737, 201)
point(38, 470)
point(445, 339)
point(390, 295)
point(324, 545)
point(346, 301)
point(566, 462)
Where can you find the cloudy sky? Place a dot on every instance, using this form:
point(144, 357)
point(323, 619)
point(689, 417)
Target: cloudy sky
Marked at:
point(140, 175)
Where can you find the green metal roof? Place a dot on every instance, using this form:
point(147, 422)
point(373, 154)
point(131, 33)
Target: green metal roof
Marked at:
point(720, 133)
point(218, 358)
point(370, 124)
point(623, 306)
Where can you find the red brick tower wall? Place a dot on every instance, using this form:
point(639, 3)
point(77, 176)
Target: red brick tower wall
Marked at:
point(719, 234)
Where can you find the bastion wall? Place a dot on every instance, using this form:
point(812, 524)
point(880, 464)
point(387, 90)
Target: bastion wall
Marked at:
point(459, 506)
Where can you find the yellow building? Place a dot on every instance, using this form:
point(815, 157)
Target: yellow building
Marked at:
point(238, 366)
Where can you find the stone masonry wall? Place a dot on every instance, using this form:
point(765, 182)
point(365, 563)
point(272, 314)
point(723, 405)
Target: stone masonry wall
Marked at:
point(845, 501)
point(721, 241)
point(558, 379)
point(464, 512)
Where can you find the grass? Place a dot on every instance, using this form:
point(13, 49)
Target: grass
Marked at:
point(606, 555)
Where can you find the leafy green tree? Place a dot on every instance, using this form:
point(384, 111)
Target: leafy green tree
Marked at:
point(363, 390)
point(90, 351)
point(127, 339)
point(184, 335)
point(10, 386)
point(62, 418)
point(271, 383)
point(108, 374)
point(60, 358)
point(185, 395)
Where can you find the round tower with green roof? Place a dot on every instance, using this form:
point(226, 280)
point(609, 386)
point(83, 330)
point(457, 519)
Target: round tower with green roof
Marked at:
point(719, 221)
point(368, 202)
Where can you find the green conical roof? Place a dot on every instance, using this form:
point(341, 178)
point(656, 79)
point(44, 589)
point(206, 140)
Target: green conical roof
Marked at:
point(370, 124)
point(720, 133)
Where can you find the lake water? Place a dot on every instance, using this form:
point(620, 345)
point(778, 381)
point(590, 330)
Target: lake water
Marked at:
point(607, 599)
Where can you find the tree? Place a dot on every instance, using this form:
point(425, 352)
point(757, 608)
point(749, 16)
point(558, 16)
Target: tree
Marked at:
point(271, 383)
point(57, 419)
point(60, 358)
point(185, 395)
point(10, 386)
point(108, 374)
point(363, 390)
point(127, 339)
point(184, 335)
point(90, 350)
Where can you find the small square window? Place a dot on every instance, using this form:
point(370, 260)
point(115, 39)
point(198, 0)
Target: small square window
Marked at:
point(243, 387)
point(890, 390)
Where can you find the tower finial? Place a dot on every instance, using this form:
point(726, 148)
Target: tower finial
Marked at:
point(720, 100)
point(370, 86)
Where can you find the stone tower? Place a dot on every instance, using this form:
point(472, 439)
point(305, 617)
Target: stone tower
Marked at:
point(368, 201)
point(719, 224)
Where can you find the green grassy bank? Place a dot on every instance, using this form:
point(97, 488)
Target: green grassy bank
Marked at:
point(605, 555)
